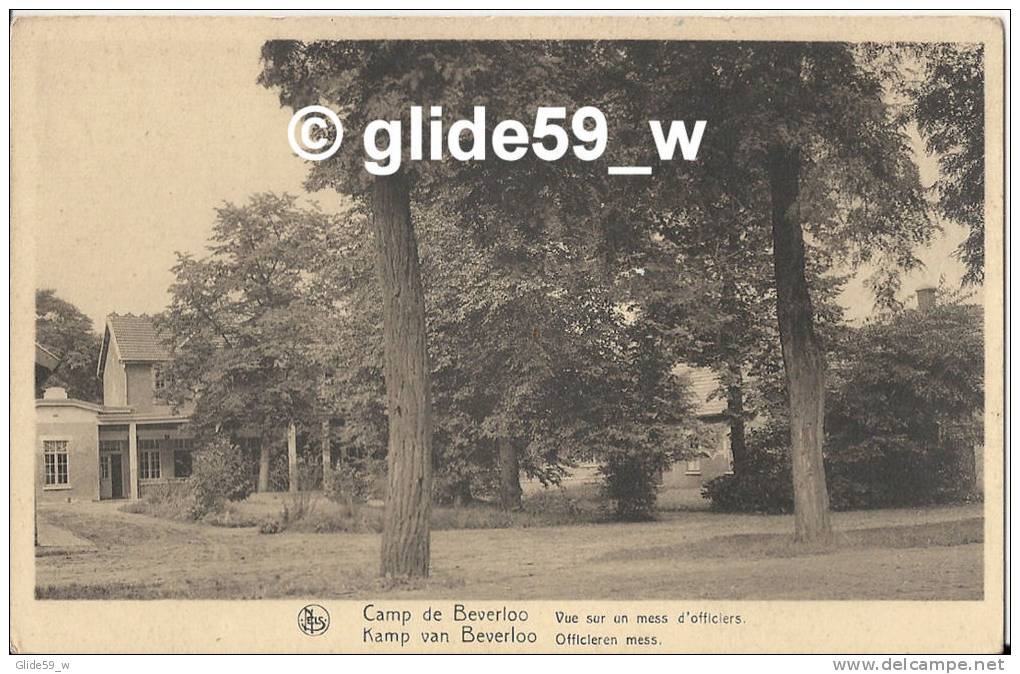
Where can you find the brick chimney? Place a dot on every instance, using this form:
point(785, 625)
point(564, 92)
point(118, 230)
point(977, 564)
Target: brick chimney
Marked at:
point(926, 298)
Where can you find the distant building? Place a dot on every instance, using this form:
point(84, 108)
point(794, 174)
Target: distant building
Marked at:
point(132, 441)
point(712, 457)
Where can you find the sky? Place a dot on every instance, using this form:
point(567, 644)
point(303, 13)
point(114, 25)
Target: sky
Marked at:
point(135, 139)
point(139, 141)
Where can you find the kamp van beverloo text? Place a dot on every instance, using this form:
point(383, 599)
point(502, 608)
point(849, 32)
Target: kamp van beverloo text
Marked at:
point(475, 625)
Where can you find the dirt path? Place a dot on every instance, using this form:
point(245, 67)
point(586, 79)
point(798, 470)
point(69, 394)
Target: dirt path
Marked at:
point(896, 554)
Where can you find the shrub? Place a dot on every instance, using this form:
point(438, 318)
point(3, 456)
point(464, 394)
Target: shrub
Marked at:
point(766, 485)
point(457, 489)
point(893, 480)
point(229, 517)
point(323, 522)
point(631, 481)
point(270, 526)
point(171, 500)
point(218, 475)
point(296, 507)
point(905, 409)
point(350, 483)
point(135, 508)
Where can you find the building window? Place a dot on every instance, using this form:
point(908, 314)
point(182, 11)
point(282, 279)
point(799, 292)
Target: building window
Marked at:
point(104, 468)
point(148, 464)
point(160, 378)
point(113, 445)
point(694, 463)
point(55, 461)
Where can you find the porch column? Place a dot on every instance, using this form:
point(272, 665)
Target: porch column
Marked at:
point(133, 459)
point(292, 463)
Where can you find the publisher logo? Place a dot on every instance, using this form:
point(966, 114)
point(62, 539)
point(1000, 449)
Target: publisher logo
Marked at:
point(313, 620)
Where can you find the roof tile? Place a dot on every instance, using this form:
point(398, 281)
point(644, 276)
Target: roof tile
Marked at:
point(137, 338)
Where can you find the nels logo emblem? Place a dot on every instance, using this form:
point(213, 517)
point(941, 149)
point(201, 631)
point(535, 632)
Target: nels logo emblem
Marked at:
point(313, 620)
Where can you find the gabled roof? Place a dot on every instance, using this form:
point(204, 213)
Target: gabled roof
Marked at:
point(136, 338)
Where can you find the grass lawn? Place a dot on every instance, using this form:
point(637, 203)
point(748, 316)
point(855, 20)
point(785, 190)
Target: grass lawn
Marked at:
point(929, 553)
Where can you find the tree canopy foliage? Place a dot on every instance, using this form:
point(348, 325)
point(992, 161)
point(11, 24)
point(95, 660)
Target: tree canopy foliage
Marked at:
point(548, 287)
point(254, 325)
point(62, 328)
point(948, 105)
point(907, 404)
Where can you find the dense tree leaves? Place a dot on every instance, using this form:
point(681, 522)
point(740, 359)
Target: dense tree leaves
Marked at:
point(69, 334)
point(255, 325)
point(530, 233)
point(904, 417)
point(804, 153)
point(802, 142)
point(382, 80)
point(907, 403)
point(540, 355)
point(948, 104)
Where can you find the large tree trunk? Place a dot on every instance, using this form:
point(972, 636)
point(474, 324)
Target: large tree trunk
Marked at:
point(967, 462)
point(405, 540)
point(293, 479)
point(462, 493)
point(263, 464)
point(735, 412)
point(509, 475)
point(802, 355)
point(729, 332)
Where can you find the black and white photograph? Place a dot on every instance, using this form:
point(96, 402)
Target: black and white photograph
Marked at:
point(342, 320)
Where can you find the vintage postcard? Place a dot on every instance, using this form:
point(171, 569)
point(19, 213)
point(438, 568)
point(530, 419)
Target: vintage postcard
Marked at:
point(469, 334)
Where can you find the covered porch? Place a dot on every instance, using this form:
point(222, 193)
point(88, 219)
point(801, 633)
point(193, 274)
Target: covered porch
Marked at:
point(138, 452)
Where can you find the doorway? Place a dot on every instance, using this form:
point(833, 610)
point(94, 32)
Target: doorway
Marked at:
point(111, 476)
point(116, 477)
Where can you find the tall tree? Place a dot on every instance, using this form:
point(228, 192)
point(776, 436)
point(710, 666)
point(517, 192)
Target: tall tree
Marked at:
point(829, 109)
point(246, 321)
point(62, 328)
point(948, 104)
point(802, 138)
point(381, 80)
point(818, 156)
point(405, 545)
point(708, 290)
